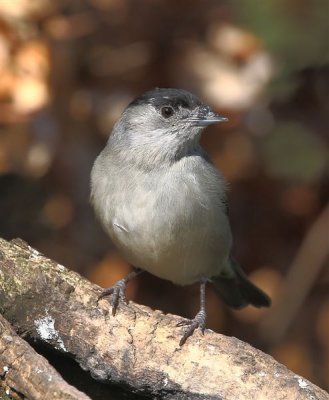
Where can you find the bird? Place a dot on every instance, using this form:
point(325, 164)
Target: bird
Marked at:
point(163, 202)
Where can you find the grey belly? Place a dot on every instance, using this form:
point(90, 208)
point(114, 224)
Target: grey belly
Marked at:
point(181, 248)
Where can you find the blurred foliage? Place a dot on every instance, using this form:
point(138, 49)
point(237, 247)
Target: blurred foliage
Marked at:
point(68, 69)
point(291, 152)
point(296, 33)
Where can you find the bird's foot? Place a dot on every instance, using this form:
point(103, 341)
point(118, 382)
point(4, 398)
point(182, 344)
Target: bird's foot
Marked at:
point(118, 293)
point(199, 321)
point(118, 290)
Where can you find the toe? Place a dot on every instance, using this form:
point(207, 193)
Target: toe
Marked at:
point(115, 301)
point(184, 322)
point(105, 293)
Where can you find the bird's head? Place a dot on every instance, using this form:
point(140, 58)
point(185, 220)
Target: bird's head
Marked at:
point(167, 120)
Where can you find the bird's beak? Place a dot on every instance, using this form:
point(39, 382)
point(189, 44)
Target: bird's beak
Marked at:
point(206, 116)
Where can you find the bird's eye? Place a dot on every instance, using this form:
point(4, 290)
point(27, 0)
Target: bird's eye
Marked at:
point(167, 111)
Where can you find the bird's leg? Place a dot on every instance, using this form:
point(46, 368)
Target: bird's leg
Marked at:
point(118, 290)
point(199, 321)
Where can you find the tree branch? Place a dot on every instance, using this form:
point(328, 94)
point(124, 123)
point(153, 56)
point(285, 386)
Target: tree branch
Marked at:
point(138, 348)
point(24, 371)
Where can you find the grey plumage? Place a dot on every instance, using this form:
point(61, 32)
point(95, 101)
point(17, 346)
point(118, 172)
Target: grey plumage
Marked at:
point(162, 201)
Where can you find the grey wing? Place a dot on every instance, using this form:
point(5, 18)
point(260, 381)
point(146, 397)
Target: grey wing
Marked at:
point(226, 207)
point(224, 200)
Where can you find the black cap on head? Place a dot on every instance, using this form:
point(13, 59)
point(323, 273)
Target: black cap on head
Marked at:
point(160, 97)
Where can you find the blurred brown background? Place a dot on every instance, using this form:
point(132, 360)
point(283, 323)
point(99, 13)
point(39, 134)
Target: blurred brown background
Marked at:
point(67, 70)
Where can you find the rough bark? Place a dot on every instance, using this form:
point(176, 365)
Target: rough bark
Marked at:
point(138, 348)
point(24, 371)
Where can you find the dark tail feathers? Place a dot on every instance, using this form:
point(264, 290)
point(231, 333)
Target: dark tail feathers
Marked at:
point(238, 291)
